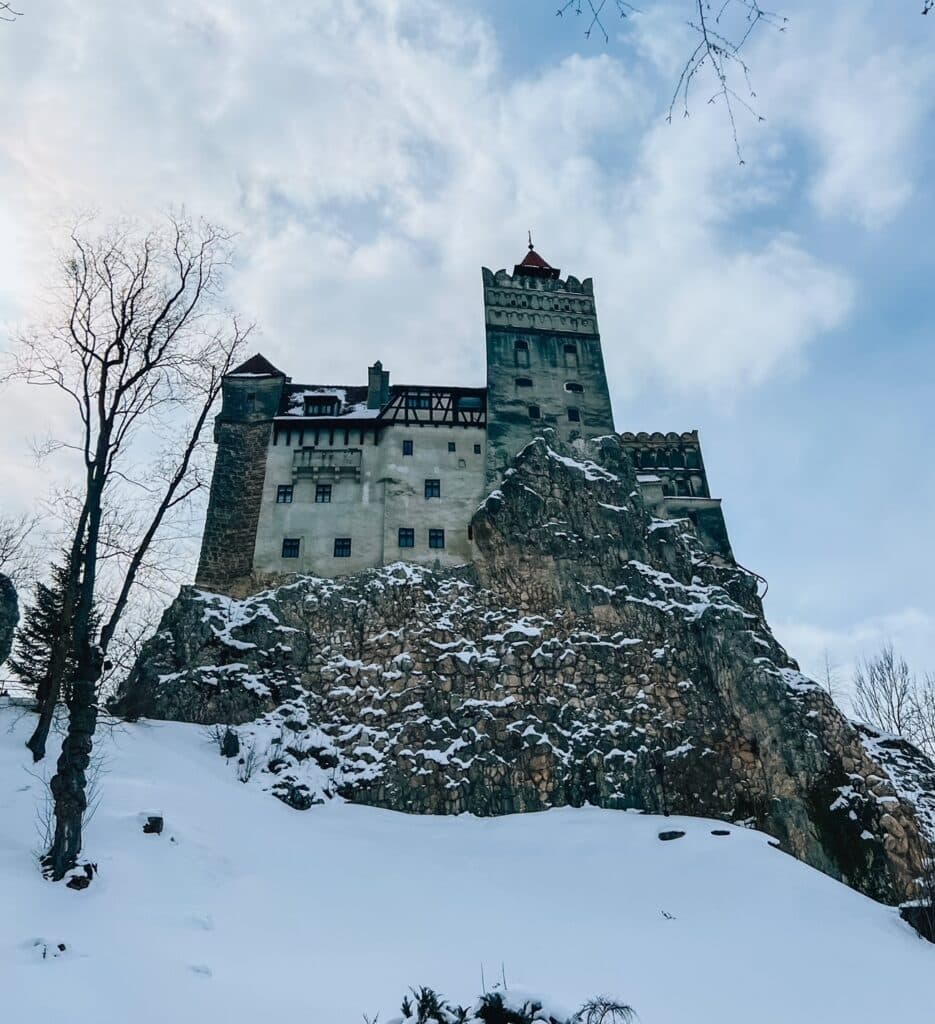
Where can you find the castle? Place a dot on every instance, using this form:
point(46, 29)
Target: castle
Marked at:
point(328, 480)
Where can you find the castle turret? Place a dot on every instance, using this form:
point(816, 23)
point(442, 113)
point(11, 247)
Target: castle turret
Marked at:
point(251, 397)
point(544, 362)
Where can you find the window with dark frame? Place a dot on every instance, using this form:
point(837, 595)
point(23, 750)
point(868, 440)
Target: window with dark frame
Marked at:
point(452, 446)
point(574, 416)
point(477, 449)
point(407, 447)
point(284, 494)
point(436, 538)
point(571, 356)
point(521, 353)
point(524, 382)
point(290, 547)
point(573, 385)
point(322, 494)
point(433, 488)
point(407, 537)
point(320, 406)
point(342, 547)
point(535, 412)
point(418, 401)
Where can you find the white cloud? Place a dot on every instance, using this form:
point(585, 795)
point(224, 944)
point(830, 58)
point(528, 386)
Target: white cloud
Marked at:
point(910, 630)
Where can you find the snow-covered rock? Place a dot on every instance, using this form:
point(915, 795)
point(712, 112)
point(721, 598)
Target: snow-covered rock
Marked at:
point(589, 655)
point(9, 616)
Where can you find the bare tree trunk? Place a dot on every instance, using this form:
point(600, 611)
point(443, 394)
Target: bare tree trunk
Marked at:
point(69, 784)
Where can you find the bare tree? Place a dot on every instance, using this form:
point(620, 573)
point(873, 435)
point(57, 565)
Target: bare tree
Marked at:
point(139, 344)
point(883, 692)
point(888, 695)
point(17, 559)
point(829, 675)
point(923, 699)
point(723, 29)
point(8, 14)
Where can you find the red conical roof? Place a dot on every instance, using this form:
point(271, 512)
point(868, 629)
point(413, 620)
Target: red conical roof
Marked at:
point(534, 265)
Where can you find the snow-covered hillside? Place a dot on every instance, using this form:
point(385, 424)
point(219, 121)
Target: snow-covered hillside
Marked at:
point(245, 910)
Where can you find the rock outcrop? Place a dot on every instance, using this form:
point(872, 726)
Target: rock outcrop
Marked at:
point(9, 616)
point(591, 653)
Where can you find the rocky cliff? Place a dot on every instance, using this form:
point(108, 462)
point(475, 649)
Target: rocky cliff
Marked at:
point(9, 616)
point(591, 653)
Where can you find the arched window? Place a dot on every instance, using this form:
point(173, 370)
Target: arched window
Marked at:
point(677, 459)
point(682, 488)
point(573, 385)
point(693, 458)
point(646, 460)
point(662, 457)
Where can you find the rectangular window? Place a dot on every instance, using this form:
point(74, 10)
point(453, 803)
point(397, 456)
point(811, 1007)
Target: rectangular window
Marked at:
point(574, 415)
point(477, 449)
point(418, 401)
point(521, 353)
point(535, 413)
point(571, 356)
point(452, 446)
point(436, 538)
point(407, 537)
point(320, 406)
point(342, 547)
point(407, 447)
point(290, 547)
point(284, 494)
point(433, 488)
point(322, 494)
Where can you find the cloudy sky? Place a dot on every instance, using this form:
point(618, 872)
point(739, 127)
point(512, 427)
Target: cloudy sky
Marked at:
point(373, 154)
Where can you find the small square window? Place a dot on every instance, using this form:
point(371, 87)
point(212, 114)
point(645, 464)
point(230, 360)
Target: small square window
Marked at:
point(407, 447)
point(407, 537)
point(452, 446)
point(436, 538)
point(574, 415)
point(322, 494)
point(284, 494)
point(290, 547)
point(535, 413)
point(342, 547)
point(433, 488)
point(477, 449)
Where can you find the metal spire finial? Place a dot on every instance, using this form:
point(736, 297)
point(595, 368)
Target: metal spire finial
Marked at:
point(530, 241)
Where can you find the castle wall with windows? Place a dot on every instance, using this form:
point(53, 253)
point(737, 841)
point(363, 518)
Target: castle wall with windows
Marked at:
point(331, 480)
point(394, 493)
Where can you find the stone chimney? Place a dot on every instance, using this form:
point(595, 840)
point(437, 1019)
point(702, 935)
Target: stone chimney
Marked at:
point(378, 386)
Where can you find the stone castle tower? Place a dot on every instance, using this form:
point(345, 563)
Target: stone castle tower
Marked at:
point(331, 479)
point(544, 361)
